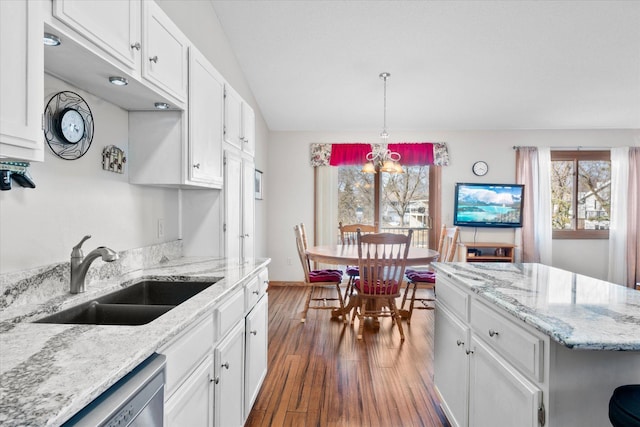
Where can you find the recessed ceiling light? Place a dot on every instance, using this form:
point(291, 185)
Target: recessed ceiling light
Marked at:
point(118, 81)
point(51, 39)
point(161, 105)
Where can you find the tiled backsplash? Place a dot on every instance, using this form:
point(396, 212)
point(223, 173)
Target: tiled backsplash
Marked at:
point(43, 283)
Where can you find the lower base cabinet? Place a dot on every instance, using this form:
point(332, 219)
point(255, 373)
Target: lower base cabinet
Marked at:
point(216, 367)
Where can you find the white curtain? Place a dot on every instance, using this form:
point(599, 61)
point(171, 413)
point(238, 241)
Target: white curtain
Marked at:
point(533, 169)
point(618, 216)
point(326, 232)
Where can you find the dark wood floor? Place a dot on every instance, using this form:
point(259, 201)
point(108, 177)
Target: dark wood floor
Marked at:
point(321, 375)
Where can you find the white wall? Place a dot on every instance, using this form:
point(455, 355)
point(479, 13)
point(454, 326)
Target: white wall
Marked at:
point(292, 202)
point(73, 198)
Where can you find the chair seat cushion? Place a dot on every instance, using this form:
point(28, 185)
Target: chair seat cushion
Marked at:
point(364, 287)
point(325, 276)
point(624, 406)
point(421, 276)
point(353, 271)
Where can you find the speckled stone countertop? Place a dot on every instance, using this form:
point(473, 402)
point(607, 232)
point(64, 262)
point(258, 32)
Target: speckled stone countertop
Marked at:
point(576, 311)
point(48, 372)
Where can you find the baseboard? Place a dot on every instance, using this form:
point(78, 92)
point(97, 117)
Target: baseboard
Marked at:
point(281, 283)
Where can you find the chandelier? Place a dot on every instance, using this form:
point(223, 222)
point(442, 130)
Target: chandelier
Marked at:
point(381, 158)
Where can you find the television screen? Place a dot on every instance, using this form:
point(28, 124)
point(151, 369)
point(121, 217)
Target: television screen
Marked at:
point(488, 205)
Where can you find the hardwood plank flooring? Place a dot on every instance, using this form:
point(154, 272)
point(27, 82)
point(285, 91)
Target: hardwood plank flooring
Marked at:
point(321, 375)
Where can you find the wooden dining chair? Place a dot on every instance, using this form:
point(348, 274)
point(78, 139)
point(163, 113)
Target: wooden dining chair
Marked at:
point(349, 236)
point(382, 258)
point(316, 280)
point(426, 279)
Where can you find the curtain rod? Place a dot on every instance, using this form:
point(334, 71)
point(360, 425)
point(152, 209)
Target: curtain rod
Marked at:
point(576, 147)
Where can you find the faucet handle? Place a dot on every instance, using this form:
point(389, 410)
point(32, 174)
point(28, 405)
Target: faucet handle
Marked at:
point(77, 251)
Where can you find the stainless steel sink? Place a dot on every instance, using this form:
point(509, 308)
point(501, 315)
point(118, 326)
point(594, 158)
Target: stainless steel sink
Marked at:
point(137, 304)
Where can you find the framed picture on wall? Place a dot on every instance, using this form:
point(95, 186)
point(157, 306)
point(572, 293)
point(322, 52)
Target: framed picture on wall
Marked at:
point(258, 184)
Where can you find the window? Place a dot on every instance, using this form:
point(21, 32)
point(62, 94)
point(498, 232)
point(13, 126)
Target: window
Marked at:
point(394, 202)
point(580, 194)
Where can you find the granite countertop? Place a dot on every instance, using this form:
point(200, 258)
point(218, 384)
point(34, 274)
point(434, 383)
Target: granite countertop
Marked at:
point(576, 311)
point(48, 372)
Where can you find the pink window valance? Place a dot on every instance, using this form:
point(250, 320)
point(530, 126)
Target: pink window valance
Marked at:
point(412, 154)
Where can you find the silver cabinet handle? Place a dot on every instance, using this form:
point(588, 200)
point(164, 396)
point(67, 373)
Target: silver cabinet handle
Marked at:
point(136, 46)
point(254, 332)
point(256, 292)
point(197, 166)
point(460, 343)
point(215, 380)
point(154, 59)
point(246, 235)
point(493, 333)
point(469, 352)
point(225, 365)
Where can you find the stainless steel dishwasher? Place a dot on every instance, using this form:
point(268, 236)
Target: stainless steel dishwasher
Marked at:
point(137, 400)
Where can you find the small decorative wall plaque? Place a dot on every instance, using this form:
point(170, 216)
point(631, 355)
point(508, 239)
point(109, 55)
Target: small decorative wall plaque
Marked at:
point(113, 159)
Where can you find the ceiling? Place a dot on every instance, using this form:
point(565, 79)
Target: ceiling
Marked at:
point(455, 65)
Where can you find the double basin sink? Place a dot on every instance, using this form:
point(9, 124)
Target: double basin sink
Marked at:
point(137, 304)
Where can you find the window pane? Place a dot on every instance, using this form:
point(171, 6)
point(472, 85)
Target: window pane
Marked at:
point(405, 202)
point(562, 177)
point(594, 195)
point(355, 196)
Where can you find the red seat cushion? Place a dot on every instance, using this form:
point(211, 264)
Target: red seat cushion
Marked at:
point(421, 276)
point(364, 287)
point(325, 276)
point(353, 271)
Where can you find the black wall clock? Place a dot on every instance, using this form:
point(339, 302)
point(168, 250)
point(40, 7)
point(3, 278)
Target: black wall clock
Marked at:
point(68, 125)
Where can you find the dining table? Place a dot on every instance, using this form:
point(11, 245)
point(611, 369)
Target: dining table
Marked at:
point(344, 255)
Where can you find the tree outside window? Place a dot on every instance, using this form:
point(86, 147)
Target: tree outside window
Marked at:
point(581, 194)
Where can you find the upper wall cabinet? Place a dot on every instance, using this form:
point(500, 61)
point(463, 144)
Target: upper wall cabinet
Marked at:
point(131, 38)
point(21, 81)
point(239, 122)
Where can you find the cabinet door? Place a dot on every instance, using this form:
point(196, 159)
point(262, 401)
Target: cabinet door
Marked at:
point(248, 129)
point(206, 115)
point(113, 26)
point(192, 404)
point(499, 396)
point(232, 117)
point(248, 209)
point(257, 332)
point(233, 207)
point(164, 52)
point(451, 365)
point(21, 80)
point(229, 357)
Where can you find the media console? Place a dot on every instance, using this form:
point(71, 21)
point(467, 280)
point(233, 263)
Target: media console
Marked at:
point(489, 252)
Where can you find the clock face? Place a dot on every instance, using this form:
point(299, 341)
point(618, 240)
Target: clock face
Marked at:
point(71, 125)
point(480, 168)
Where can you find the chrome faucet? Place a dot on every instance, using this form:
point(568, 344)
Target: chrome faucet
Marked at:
point(80, 264)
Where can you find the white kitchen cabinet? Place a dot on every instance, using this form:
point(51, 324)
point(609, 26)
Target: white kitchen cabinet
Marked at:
point(229, 374)
point(135, 36)
point(114, 27)
point(488, 369)
point(239, 122)
point(206, 115)
point(498, 394)
point(451, 365)
point(239, 201)
point(21, 81)
point(256, 342)
point(192, 404)
point(164, 52)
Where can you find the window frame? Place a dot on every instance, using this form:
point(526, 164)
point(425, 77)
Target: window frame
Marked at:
point(576, 156)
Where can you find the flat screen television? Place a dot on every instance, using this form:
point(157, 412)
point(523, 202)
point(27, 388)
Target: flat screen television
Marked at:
point(488, 205)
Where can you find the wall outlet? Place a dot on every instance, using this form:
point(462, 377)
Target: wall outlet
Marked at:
point(160, 228)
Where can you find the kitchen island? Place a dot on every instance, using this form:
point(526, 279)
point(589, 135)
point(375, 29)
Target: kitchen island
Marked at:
point(48, 372)
point(532, 345)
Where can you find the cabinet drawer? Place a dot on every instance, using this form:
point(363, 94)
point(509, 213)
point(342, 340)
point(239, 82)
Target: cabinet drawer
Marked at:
point(229, 313)
point(186, 351)
point(520, 347)
point(255, 289)
point(453, 297)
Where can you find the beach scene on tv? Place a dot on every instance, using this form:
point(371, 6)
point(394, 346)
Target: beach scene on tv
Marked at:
point(497, 205)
